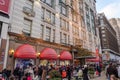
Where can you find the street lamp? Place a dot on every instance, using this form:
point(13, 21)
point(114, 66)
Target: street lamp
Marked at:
point(11, 52)
point(38, 54)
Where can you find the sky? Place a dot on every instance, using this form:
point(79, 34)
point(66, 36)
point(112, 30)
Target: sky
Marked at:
point(111, 8)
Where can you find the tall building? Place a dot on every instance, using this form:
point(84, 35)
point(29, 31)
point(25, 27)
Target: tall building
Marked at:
point(115, 22)
point(91, 32)
point(55, 24)
point(4, 23)
point(108, 38)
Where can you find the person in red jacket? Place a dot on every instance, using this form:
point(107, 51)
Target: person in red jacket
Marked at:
point(64, 74)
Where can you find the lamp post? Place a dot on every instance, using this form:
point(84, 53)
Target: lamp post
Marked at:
point(38, 54)
point(11, 52)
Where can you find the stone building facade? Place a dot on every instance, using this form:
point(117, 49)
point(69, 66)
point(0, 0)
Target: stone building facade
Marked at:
point(108, 39)
point(115, 22)
point(57, 24)
point(4, 24)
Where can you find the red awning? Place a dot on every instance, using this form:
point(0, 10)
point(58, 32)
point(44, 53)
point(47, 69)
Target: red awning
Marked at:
point(93, 60)
point(65, 55)
point(48, 54)
point(25, 51)
point(97, 59)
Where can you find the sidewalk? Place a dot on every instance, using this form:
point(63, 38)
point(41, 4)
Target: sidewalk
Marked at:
point(102, 77)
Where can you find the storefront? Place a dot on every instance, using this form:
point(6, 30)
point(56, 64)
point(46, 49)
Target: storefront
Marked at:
point(48, 56)
point(46, 52)
point(24, 55)
point(65, 58)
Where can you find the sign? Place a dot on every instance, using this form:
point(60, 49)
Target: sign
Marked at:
point(4, 6)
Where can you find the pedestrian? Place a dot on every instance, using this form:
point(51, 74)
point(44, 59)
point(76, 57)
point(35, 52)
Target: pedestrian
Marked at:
point(112, 70)
point(112, 77)
point(106, 70)
point(69, 72)
point(119, 71)
point(64, 74)
point(75, 73)
point(40, 71)
point(98, 68)
point(115, 73)
point(85, 73)
point(80, 74)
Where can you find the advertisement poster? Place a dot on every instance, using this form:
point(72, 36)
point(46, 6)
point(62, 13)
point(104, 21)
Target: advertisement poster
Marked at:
point(4, 6)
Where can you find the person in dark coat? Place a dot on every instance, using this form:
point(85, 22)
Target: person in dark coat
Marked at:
point(115, 72)
point(98, 68)
point(69, 72)
point(85, 73)
point(112, 70)
point(40, 71)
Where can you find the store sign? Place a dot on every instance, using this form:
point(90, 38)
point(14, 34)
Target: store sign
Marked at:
point(4, 6)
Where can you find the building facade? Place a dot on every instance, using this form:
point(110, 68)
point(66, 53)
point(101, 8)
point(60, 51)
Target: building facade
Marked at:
point(4, 24)
point(57, 24)
point(91, 32)
point(108, 38)
point(115, 22)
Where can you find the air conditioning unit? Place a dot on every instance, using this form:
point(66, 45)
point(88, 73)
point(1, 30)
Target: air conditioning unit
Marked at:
point(28, 11)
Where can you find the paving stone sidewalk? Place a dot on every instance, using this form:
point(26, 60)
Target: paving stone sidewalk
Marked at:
point(102, 77)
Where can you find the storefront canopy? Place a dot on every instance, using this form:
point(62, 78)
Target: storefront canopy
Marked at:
point(25, 51)
point(97, 59)
point(93, 60)
point(48, 54)
point(65, 55)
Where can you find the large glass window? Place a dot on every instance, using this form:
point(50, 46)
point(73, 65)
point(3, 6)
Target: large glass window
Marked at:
point(60, 37)
point(92, 21)
point(27, 27)
point(53, 35)
point(42, 13)
point(52, 18)
point(29, 4)
point(64, 24)
point(74, 17)
point(64, 38)
point(64, 1)
point(41, 31)
point(68, 39)
point(75, 30)
point(48, 33)
point(49, 17)
point(48, 14)
point(49, 2)
point(0, 28)
point(64, 10)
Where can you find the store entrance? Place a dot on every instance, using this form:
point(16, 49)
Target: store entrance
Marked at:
point(23, 63)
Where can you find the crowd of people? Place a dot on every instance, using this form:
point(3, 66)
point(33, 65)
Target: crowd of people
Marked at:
point(112, 71)
point(40, 72)
point(69, 72)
